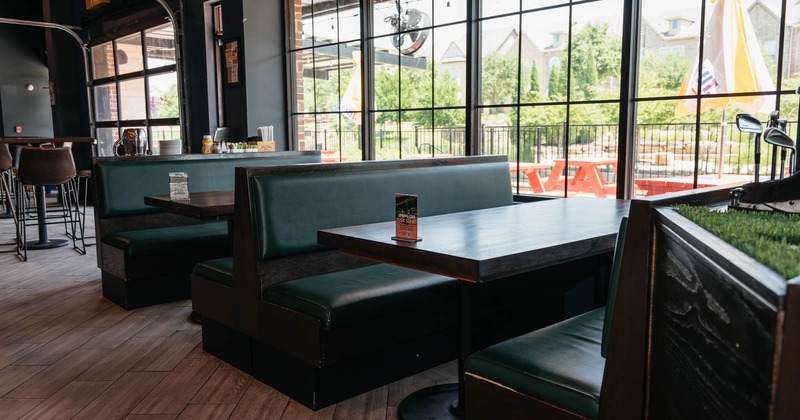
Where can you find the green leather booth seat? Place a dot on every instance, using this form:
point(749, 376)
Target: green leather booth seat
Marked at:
point(287, 222)
point(171, 240)
point(330, 326)
point(146, 255)
point(219, 270)
point(122, 183)
point(560, 364)
point(348, 296)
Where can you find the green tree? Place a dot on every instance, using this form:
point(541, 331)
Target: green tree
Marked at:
point(557, 84)
point(660, 76)
point(534, 86)
point(498, 79)
point(413, 90)
point(167, 106)
point(596, 56)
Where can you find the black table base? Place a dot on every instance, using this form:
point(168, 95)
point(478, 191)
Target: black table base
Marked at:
point(50, 243)
point(435, 402)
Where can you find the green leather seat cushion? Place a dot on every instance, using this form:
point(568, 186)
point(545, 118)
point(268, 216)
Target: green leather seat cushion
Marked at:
point(343, 297)
point(219, 270)
point(560, 364)
point(173, 239)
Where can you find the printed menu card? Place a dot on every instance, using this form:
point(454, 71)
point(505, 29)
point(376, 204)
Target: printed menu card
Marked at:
point(406, 218)
point(178, 186)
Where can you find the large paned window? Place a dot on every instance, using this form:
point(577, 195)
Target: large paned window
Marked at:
point(135, 86)
point(689, 92)
point(548, 82)
point(541, 81)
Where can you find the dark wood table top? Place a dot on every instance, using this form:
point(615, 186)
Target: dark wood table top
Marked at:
point(42, 140)
point(211, 205)
point(490, 244)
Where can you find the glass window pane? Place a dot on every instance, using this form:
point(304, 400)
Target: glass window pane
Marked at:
point(387, 79)
point(103, 60)
point(105, 141)
point(164, 102)
point(129, 54)
point(668, 46)
point(544, 58)
point(416, 87)
point(305, 140)
point(105, 102)
point(498, 135)
point(541, 141)
point(163, 132)
point(596, 50)
point(499, 61)
point(388, 142)
point(132, 100)
point(450, 67)
point(449, 135)
point(160, 45)
point(494, 8)
point(445, 12)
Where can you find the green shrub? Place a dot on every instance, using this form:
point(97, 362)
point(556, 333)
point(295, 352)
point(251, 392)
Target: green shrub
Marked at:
point(773, 239)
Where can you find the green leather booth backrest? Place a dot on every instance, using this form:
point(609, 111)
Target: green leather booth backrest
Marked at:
point(122, 183)
point(289, 208)
point(613, 284)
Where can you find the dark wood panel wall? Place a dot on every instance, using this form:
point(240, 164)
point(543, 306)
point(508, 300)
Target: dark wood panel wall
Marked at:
point(713, 339)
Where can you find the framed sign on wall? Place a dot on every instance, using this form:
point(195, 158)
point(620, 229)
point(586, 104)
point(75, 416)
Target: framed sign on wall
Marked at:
point(232, 61)
point(91, 4)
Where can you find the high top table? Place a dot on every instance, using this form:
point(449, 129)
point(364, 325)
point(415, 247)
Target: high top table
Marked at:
point(481, 246)
point(44, 241)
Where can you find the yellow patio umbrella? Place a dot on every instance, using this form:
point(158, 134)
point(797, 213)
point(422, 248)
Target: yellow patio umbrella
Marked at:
point(732, 63)
point(351, 100)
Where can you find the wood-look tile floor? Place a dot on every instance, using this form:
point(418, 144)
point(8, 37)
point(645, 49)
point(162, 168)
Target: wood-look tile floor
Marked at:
point(66, 352)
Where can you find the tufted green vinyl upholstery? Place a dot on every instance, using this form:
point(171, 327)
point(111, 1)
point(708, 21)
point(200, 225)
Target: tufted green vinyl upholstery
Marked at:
point(343, 297)
point(122, 184)
point(173, 239)
point(219, 270)
point(288, 205)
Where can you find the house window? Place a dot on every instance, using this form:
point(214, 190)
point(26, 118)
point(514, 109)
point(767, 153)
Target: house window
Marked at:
point(135, 86)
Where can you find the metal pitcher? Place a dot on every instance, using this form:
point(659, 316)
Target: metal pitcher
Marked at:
point(132, 142)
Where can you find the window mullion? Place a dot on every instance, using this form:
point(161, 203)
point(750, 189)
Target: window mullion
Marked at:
point(367, 82)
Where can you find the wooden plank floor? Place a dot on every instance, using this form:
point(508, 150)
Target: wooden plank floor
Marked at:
point(66, 352)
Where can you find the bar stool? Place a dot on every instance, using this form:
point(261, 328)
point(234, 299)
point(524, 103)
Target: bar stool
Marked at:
point(40, 167)
point(82, 178)
point(6, 195)
point(82, 187)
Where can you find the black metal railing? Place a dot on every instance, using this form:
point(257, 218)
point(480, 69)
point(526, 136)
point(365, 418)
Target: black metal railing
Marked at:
point(662, 150)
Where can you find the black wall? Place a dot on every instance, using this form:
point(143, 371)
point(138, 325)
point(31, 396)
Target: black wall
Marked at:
point(259, 99)
point(24, 62)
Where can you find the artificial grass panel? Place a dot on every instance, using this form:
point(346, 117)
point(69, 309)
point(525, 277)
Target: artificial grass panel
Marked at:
point(773, 239)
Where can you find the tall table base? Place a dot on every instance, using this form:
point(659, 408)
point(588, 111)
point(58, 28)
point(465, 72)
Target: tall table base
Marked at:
point(439, 402)
point(44, 241)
